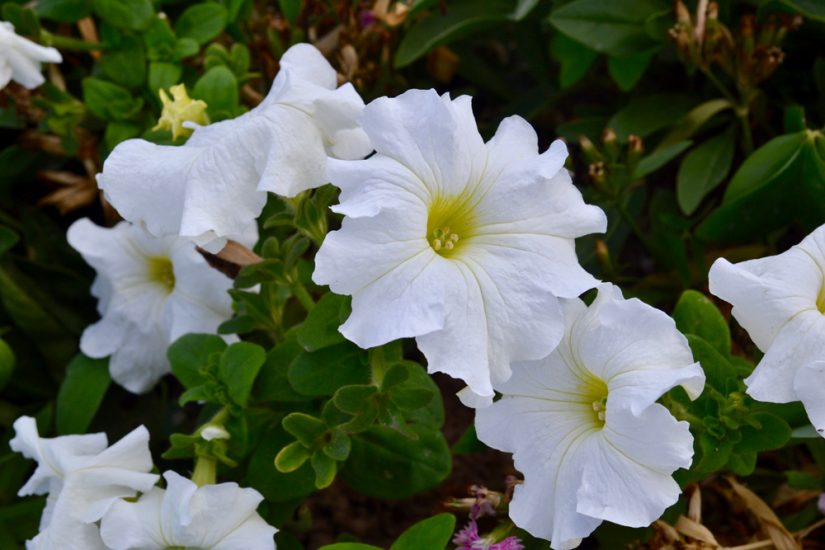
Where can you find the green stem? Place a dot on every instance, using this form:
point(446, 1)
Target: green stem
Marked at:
point(205, 471)
point(68, 43)
point(634, 226)
point(378, 365)
point(303, 296)
point(742, 115)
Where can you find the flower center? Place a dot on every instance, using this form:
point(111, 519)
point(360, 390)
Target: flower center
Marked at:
point(161, 272)
point(594, 397)
point(450, 223)
point(820, 298)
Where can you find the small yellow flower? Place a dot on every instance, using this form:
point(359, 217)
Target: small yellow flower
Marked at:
point(180, 109)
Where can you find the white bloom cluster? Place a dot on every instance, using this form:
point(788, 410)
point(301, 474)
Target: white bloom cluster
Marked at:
point(20, 58)
point(150, 292)
point(87, 481)
point(780, 301)
point(468, 246)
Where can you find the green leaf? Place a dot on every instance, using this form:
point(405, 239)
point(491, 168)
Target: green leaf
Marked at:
point(773, 433)
point(273, 484)
point(461, 18)
point(617, 28)
point(185, 47)
point(306, 429)
point(695, 314)
point(395, 374)
point(765, 164)
point(238, 367)
point(272, 383)
point(219, 89)
point(645, 115)
point(703, 169)
point(693, 120)
point(291, 9)
point(433, 533)
point(8, 238)
point(81, 394)
point(659, 158)
point(325, 469)
point(354, 399)
point(628, 70)
point(117, 131)
point(715, 454)
point(291, 457)
point(742, 464)
point(160, 40)
point(190, 353)
point(64, 11)
point(575, 58)
point(322, 372)
point(812, 9)
point(718, 370)
point(320, 328)
point(350, 546)
point(339, 445)
point(127, 64)
point(201, 22)
point(134, 15)
point(385, 464)
point(108, 100)
point(163, 75)
point(7, 362)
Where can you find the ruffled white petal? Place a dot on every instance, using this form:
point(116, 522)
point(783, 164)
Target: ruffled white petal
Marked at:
point(215, 185)
point(142, 313)
point(583, 424)
point(20, 58)
point(84, 478)
point(809, 385)
point(213, 517)
point(801, 339)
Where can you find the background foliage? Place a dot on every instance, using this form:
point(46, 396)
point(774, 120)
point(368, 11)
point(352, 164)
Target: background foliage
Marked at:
point(695, 147)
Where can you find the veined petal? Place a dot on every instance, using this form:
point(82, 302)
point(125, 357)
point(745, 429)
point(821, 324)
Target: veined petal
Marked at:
point(428, 135)
point(140, 360)
point(766, 293)
point(635, 349)
point(368, 186)
point(809, 384)
point(609, 477)
point(134, 524)
point(800, 340)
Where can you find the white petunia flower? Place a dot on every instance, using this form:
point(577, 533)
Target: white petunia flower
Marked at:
point(584, 426)
point(780, 301)
point(216, 184)
point(83, 476)
point(464, 245)
point(150, 292)
point(212, 517)
point(20, 58)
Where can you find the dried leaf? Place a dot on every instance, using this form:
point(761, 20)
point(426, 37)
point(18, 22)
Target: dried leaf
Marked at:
point(782, 539)
point(696, 530)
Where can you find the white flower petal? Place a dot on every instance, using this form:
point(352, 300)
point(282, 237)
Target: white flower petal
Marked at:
point(152, 290)
point(20, 58)
point(766, 293)
point(212, 517)
point(215, 185)
point(583, 425)
point(626, 460)
point(809, 385)
point(801, 339)
point(429, 136)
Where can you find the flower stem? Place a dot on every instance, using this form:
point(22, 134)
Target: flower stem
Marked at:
point(205, 471)
point(300, 292)
point(377, 365)
point(68, 43)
